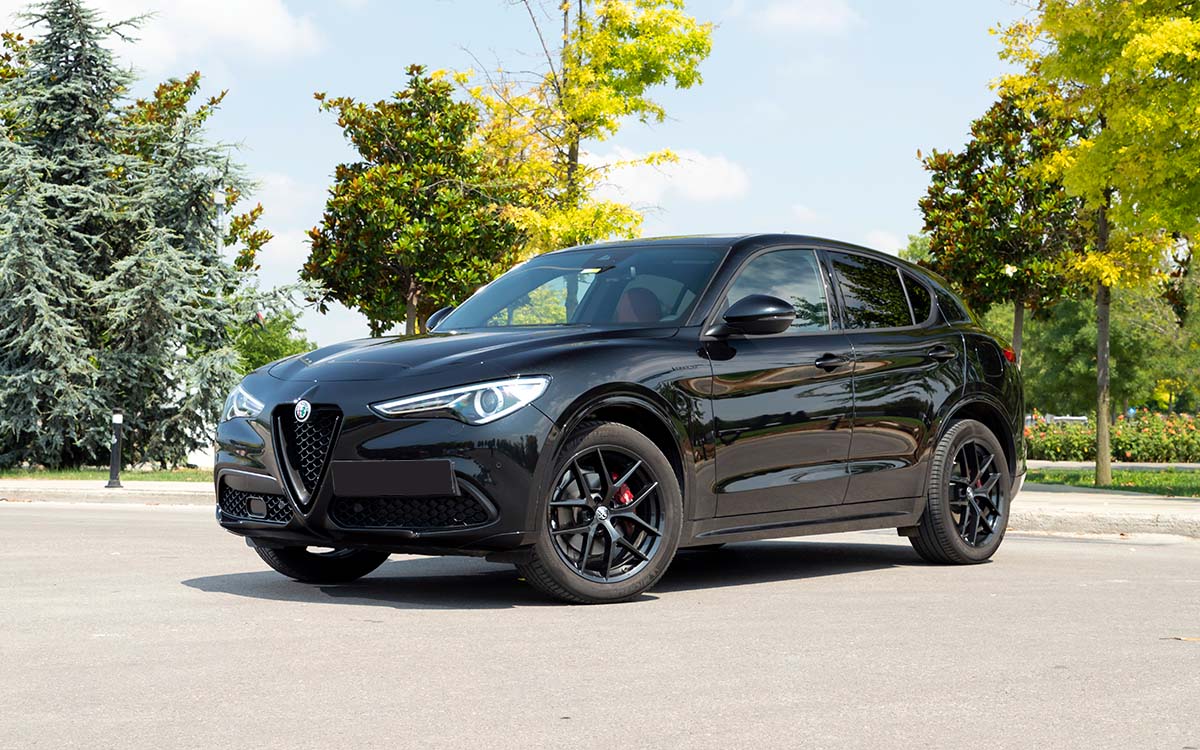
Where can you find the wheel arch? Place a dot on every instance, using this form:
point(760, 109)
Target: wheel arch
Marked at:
point(990, 415)
point(639, 409)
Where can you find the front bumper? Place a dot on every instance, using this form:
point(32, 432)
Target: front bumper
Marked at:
point(426, 486)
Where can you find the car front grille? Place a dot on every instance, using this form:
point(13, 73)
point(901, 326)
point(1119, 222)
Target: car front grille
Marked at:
point(307, 444)
point(440, 512)
point(236, 504)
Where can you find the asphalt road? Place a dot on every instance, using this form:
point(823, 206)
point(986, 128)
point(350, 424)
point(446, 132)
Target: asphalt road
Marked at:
point(148, 627)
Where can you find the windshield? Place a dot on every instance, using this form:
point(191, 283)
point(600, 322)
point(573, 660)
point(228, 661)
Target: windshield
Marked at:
point(627, 285)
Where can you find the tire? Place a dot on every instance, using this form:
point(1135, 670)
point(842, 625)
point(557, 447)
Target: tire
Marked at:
point(557, 563)
point(338, 566)
point(962, 524)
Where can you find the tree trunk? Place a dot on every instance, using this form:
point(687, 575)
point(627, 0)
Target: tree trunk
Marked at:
point(1018, 329)
point(1103, 443)
point(1103, 409)
point(410, 309)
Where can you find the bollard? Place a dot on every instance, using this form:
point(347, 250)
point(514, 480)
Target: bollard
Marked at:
point(114, 462)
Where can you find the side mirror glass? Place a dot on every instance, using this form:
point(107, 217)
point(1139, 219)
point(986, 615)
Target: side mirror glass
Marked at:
point(755, 315)
point(437, 317)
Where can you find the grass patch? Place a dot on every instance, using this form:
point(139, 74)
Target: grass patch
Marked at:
point(1169, 482)
point(169, 475)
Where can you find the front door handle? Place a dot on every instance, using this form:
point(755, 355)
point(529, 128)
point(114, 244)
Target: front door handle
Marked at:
point(830, 362)
point(942, 353)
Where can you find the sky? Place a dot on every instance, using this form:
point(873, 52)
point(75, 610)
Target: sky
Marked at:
point(809, 118)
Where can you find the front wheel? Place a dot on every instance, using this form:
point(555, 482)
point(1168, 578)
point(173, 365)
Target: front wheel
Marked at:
point(331, 566)
point(966, 506)
point(611, 518)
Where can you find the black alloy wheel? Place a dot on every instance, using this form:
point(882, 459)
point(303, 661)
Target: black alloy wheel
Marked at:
point(605, 516)
point(612, 518)
point(967, 500)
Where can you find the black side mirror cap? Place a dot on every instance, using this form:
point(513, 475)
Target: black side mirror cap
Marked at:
point(437, 317)
point(755, 315)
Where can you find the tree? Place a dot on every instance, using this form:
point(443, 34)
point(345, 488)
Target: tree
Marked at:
point(999, 228)
point(1127, 71)
point(120, 296)
point(917, 250)
point(613, 54)
point(416, 223)
point(266, 339)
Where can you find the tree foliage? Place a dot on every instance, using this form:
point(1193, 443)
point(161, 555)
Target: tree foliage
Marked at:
point(416, 223)
point(612, 56)
point(265, 339)
point(998, 226)
point(113, 289)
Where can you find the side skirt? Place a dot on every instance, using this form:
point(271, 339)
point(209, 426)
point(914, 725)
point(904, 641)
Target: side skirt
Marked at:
point(879, 514)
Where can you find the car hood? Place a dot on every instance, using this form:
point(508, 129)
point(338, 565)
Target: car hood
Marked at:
point(471, 355)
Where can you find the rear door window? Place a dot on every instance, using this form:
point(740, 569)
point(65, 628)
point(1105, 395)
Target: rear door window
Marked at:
point(918, 298)
point(872, 293)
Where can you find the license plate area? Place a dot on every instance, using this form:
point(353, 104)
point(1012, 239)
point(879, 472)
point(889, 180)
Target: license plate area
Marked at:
point(394, 478)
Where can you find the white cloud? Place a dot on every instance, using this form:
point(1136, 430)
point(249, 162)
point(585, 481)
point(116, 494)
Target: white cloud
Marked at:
point(804, 213)
point(694, 177)
point(174, 35)
point(829, 17)
point(878, 239)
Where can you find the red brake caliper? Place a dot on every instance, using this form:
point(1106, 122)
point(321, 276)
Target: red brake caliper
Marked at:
point(624, 495)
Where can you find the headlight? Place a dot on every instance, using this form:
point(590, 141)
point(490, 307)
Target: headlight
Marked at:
point(473, 404)
point(240, 404)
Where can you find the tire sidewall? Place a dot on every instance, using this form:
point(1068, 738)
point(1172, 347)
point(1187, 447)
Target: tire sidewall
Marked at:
point(619, 436)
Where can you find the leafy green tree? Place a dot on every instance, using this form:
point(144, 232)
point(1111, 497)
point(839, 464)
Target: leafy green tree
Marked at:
point(917, 249)
point(416, 223)
point(1127, 71)
point(613, 55)
point(116, 293)
point(266, 339)
point(999, 229)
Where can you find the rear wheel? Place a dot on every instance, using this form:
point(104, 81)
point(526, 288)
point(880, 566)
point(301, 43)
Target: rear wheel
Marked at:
point(325, 566)
point(611, 520)
point(966, 508)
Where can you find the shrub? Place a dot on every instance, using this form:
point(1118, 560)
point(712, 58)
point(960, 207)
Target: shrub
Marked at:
point(1147, 437)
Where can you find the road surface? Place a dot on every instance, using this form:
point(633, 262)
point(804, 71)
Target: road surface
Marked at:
point(149, 627)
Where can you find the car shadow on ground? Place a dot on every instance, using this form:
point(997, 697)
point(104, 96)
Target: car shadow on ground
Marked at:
point(471, 583)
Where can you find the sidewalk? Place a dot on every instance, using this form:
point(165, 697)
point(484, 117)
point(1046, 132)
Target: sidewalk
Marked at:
point(94, 491)
point(1048, 508)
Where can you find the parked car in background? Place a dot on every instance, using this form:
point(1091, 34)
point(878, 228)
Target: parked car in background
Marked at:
point(596, 409)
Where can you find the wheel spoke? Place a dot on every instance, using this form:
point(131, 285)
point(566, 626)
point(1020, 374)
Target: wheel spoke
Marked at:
point(990, 484)
point(957, 479)
point(983, 468)
point(975, 526)
point(585, 492)
point(632, 549)
point(571, 502)
point(605, 479)
point(643, 523)
point(610, 547)
point(629, 474)
point(586, 551)
point(628, 509)
point(571, 530)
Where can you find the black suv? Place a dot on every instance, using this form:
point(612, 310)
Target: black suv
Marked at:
point(595, 409)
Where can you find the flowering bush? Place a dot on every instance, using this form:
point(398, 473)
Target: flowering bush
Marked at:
point(1147, 437)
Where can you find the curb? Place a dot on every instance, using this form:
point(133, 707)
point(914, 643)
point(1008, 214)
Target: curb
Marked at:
point(202, 495)
point(1066, 522)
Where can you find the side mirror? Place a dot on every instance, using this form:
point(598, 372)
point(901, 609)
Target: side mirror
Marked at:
point(755, 315)
point(437, 317)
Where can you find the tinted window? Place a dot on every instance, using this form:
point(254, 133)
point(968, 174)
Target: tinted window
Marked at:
point(791, 275)
point(918, 297)
point(871, 292)
point(622, 285)
point(952, 310)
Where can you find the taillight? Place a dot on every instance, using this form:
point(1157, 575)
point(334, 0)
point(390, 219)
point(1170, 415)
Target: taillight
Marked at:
point(1009, 354)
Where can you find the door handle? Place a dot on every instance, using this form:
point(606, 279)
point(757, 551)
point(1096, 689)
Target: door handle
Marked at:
point(830, 362)
point(942, 353)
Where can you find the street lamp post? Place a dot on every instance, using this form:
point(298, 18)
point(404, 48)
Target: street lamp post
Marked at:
point(114, 461)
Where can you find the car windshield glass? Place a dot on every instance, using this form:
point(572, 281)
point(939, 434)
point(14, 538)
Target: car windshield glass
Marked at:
point(627, 285)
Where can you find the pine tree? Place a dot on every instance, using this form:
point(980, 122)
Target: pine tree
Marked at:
point(115, 290)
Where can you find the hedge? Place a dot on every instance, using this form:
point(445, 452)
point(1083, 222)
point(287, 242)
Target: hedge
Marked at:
point(1147, 437)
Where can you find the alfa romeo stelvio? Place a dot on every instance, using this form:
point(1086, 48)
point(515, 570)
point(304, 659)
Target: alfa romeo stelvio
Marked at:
point(596, 409)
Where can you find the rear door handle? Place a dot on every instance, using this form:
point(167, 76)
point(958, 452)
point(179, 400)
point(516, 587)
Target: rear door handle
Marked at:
point(829, 362)
point(942, 353)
